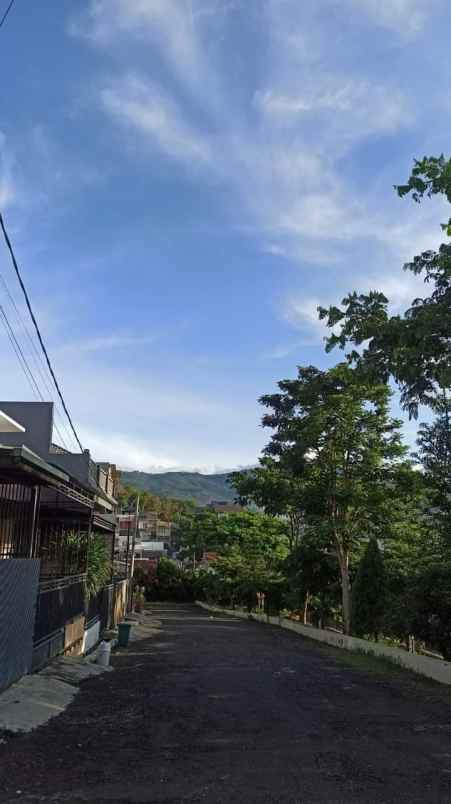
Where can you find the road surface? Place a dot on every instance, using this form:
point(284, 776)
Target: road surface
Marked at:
point(221, 710)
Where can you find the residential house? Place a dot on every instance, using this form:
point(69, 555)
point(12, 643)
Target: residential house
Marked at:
point(51, 501)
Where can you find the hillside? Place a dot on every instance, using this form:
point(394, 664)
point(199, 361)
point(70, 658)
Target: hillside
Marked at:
point(182, 485)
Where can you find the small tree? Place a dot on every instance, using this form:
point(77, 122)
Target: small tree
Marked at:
point(432, 608)
point(368, 593)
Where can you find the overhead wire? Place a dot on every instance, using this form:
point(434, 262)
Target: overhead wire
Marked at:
point(10, 332)
point(36, 326)
point(37, 360)
point(20, 355)
point(3, 19)
point(24, 363)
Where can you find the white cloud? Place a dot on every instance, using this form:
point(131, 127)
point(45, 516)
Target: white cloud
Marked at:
point(114, 342)
point(302, 314)
point(281, 170)
point(182, 31)
point(136, 103)
point(7, 188)
point(127, 452)
point(405, 17)
point(355, 107)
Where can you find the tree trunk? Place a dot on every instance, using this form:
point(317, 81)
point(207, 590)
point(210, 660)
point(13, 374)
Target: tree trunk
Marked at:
point(306, 605)
point(346, 596)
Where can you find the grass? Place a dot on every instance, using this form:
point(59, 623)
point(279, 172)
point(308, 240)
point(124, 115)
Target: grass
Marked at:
point(386, 670)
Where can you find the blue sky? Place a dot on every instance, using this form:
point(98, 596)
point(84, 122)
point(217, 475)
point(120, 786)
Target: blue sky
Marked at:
point(185, 180)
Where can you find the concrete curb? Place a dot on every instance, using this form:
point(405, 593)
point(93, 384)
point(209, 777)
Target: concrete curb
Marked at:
point(437, 669)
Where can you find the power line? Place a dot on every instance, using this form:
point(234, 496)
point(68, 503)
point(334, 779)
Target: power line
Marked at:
point(3, 19)
point(35, 323)
point(37, 359)
point(20, 355)
point(24, 363)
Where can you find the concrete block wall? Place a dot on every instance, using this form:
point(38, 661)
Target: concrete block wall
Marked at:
point(436, 669)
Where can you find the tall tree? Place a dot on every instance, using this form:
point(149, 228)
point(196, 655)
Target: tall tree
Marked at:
point(334, 431)
point(413, 348)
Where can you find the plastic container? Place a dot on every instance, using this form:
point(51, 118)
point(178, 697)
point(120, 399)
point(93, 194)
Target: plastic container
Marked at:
point(123, 634)
point(104, 653)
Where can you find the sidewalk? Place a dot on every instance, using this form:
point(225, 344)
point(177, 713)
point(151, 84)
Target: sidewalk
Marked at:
point(35, 699)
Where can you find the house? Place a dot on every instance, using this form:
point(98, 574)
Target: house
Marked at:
point(150, 550)
point(51, 501)
point(148, 527)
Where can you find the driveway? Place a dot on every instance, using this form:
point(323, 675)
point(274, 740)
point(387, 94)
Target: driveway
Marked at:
point(221, 710)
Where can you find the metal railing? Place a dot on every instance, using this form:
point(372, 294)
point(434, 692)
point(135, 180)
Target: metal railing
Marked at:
point(18, 506)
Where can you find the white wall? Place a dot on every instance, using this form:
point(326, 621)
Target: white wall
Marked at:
point(424, 665)
point(91, 637)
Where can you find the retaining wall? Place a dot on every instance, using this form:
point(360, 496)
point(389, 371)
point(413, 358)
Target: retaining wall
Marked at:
point(436, 669)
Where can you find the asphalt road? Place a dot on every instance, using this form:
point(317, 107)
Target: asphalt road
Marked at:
point(220, 710)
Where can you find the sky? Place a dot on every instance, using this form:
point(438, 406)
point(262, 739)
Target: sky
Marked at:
point(184, 181)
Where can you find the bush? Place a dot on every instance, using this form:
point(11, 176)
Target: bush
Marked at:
point(98, 565)
point(166, 582)
point(432, 608)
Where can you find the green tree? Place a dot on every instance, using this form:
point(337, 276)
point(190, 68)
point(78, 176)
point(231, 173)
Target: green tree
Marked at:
point(431, 607)
point(434, 454)
point(278, 492)
point(312, 575)
point(333, 429)
point(368, 593)
point(413, 348)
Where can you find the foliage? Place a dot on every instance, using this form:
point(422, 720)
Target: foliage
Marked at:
point(249, 548)
point(434, 453)
point(414, 348)
point(164, 507)
point(368, 593)
point(312, 577)
point(431, 608)
point(204, 530)
point(99, 564)
point(168, 581)
point(278, 492)
point(332, 429)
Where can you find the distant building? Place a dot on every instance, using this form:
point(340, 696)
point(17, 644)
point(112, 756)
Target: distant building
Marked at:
point(150, 528)
point(150, 550)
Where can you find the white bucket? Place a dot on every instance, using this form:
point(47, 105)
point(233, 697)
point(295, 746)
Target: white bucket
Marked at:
point(104, 653)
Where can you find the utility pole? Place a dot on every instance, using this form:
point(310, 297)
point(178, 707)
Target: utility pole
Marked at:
point(132, 564)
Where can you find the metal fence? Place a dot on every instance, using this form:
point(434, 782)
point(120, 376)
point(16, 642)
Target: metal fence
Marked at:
point(59, 602)
point(100, 606)
point(18, 506)
point(63, 548)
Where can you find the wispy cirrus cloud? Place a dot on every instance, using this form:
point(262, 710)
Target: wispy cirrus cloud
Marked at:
point(107, 343)
point(140, 105)
point(404, 17)
point(279, 156)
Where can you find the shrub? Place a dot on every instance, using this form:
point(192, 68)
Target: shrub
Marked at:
point(368, 593)
point(432, 608)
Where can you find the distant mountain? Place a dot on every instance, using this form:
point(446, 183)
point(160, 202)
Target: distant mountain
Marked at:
point(182, 485)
